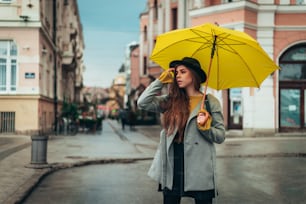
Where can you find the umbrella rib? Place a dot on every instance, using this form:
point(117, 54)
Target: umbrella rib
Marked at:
point(191, 40)
point(224, 45)
point(242, 59)
point(228, 47)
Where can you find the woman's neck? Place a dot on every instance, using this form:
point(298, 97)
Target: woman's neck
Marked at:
point(192, 92)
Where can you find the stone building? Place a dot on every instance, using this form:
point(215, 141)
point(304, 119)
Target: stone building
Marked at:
point(41, 49)
point(279, 26)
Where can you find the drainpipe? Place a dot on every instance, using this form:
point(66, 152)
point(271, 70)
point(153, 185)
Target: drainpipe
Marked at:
point(55, 68)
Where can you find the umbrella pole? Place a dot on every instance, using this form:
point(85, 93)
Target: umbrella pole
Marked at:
point(213, 49)
point(206, 85)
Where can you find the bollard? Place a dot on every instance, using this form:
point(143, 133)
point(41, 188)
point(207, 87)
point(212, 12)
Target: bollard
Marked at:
point(39, 151)
point(65, 125)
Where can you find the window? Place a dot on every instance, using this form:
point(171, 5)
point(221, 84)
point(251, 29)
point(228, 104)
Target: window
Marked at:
point(7, 122)
point(174, 18)
point(5, 1)
point(293, 64)
point(8, 66)
point(300, 2)
point(229, 1)
point(145, 33)
point(144, 66)
point(155, 10)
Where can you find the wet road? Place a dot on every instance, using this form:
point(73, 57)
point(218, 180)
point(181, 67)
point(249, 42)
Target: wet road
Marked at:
point(270, 180)
point(110, 183)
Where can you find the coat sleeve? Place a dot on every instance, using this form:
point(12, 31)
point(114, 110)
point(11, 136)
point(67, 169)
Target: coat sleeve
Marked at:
point(216, 133)
point(149, 99)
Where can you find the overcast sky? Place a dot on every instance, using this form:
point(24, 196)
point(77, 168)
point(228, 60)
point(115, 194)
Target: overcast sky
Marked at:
point(108, 27)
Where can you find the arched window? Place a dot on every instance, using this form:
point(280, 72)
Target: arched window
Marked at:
point(293, 64)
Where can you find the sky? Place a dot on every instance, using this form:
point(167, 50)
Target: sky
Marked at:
point(108, 27)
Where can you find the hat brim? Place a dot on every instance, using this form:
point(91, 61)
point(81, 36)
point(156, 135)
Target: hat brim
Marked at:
point(197, 69)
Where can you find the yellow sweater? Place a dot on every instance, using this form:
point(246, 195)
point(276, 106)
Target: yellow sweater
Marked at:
point(193, 102)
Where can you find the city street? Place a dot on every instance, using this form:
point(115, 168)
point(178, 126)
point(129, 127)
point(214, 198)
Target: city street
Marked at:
point(86, 86)
point(256, 174)
point(241, 180)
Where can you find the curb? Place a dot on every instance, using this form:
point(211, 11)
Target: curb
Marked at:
point(268, 155)
point(122, 136)
point(21, 194)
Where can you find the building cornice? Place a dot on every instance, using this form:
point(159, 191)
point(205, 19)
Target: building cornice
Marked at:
point(233, 6)
point(290, 28)
point(223, 8)
point(19, 24)
point(295, 9)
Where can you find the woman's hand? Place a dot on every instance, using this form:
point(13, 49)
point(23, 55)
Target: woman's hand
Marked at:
point(202, 118)
point(167, 76)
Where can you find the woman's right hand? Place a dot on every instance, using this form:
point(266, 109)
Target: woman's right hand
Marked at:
point(167, 76)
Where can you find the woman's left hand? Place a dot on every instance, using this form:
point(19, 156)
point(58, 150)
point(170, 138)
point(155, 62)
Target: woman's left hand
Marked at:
point(204, 120)
point(202, 117)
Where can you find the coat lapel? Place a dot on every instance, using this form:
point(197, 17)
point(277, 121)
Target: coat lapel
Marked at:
point(170, 139)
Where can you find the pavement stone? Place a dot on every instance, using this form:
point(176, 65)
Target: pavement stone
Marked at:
point(139, 143)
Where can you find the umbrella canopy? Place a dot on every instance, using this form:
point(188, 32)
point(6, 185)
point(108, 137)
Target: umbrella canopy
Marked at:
point(230, 58)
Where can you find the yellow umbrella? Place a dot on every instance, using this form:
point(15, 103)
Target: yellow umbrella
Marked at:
point(230, 58)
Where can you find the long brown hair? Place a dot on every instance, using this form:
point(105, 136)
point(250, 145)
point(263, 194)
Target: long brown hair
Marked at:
point(177, 107)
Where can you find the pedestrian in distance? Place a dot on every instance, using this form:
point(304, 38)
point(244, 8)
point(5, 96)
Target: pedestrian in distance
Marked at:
point(123, 118)
point(185, 162)
point(132, 120)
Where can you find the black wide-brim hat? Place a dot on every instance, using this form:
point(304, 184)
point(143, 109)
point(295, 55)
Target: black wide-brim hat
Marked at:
point(190, 63)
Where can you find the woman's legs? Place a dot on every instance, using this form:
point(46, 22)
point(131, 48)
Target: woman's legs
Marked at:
point(170, 199)
point(197, 201)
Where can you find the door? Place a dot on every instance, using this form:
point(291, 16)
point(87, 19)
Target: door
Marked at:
point(292, 109)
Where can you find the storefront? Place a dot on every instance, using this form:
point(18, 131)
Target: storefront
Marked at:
point(292, 89)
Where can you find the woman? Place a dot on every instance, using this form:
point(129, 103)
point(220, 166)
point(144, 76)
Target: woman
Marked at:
point(185, 162)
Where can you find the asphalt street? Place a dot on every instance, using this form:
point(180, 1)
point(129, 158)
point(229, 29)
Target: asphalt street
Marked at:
point(241, 180)
point(112, 165)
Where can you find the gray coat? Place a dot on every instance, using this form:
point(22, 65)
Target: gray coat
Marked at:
point(199, 149)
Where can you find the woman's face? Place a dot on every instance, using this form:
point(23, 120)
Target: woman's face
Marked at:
point(183, 76)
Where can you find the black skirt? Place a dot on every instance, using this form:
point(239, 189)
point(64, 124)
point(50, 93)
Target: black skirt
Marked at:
point(178, 178)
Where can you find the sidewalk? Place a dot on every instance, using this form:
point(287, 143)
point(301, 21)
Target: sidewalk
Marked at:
point(64, 152)
point(67, 151)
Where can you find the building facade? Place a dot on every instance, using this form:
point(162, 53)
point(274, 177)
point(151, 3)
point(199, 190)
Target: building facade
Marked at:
point(279, 105)
point(41, 46)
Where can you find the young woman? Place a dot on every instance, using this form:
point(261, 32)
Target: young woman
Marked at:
point(185, 161)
